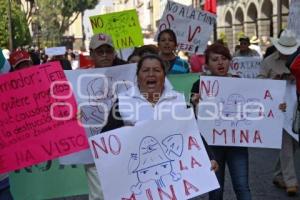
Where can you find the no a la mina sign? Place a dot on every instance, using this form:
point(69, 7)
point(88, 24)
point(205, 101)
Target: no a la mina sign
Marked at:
point(124, 27)
point(162, 159)
point(241, 112)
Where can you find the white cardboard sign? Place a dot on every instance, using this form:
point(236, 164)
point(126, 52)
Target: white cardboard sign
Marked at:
point(161, 159)
point(55, 51)
point(193, 28)
point(95, 90)
point(245, 67)
point(241, 112)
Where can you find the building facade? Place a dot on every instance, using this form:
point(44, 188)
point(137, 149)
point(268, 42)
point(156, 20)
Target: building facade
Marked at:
point(251, 18)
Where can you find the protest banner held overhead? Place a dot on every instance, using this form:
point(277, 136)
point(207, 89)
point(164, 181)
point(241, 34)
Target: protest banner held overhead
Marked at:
point(238, 112)
point(124, 27)
point(192, 27)
point(38, 117)
point(95, 92)
point(160, 159)
point(245, 67)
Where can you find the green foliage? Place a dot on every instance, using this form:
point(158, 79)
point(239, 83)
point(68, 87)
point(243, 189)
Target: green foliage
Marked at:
point(55, 17)
point(20, 30)
point(223, 37)
point(239, 35)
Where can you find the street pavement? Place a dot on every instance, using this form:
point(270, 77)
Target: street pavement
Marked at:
point(262, 162)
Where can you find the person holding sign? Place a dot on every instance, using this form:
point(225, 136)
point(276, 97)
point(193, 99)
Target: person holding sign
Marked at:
point(167, 43)
point(217, 62)
point(274, 67)
point(103, 54)
point(152, 98)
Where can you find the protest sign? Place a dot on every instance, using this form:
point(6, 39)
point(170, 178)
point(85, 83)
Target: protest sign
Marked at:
point(38, 117)
point(4, 65)
point(161, 159)
point(241, 112)
point(30, 182)
point(95, 92)
point(48, 180)
point(183, 83)
point(55, 51)
point(124, 27)
point(291, 101)
point(293, 19)
point(192, 27)
point(245, 67)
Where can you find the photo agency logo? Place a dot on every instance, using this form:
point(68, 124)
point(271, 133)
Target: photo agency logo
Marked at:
point(95, 95)
point(231, 110)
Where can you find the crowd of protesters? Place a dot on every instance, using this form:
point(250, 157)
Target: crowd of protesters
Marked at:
point(214, 61)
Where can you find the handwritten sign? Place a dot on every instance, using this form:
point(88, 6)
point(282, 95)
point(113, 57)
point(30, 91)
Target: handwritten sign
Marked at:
point(241, 112)
point(124, 27)
point(163, 159)
point(245, 67)
point(4, 65)
point(38, 117)
point(95, 92)
point(291, 101)
point(293, 20)
point(192, 27)
point(55, 51)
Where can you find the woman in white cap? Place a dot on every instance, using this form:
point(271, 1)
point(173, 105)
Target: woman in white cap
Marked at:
point(150, 95)
point(273, 67)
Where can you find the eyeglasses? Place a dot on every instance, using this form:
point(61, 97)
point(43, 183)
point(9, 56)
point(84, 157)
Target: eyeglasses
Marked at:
point(101, 52)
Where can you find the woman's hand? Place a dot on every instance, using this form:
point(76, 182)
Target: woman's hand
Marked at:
point(282, 107)
point(214, 166)
point(195, 99)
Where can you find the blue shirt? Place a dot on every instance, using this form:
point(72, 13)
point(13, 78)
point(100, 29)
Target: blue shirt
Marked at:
point(178, 66)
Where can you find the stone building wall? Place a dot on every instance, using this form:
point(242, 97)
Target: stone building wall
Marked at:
point(251, 18)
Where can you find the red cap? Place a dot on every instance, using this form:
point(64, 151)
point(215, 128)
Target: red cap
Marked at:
point(17, 57)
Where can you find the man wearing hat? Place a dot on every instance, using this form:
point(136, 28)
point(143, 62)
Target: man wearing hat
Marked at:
point(244, 50)
point(103, 54)
point(254, 44)
point(274, 67)
point(20, 60)
point(102, 51)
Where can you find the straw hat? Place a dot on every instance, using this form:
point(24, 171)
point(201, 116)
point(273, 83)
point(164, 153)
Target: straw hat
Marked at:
point(254, 40)
point(286, 43)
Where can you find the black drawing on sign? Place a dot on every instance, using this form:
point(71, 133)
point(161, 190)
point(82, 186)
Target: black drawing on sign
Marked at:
point(119, 24)
point(153, 163)
point(102, 94)
point(231, 110)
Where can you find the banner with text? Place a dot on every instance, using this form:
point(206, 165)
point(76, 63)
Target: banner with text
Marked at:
point(124, 27)
point(38, 117)
point(95, 91)
point(241, 112)
point(158, 159)
point(291, 101)
point(48, 180)
point(193, 28)
point(245, 67)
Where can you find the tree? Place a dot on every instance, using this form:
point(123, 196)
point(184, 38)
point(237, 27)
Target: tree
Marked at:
point(55, 17)
point(20, 30)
